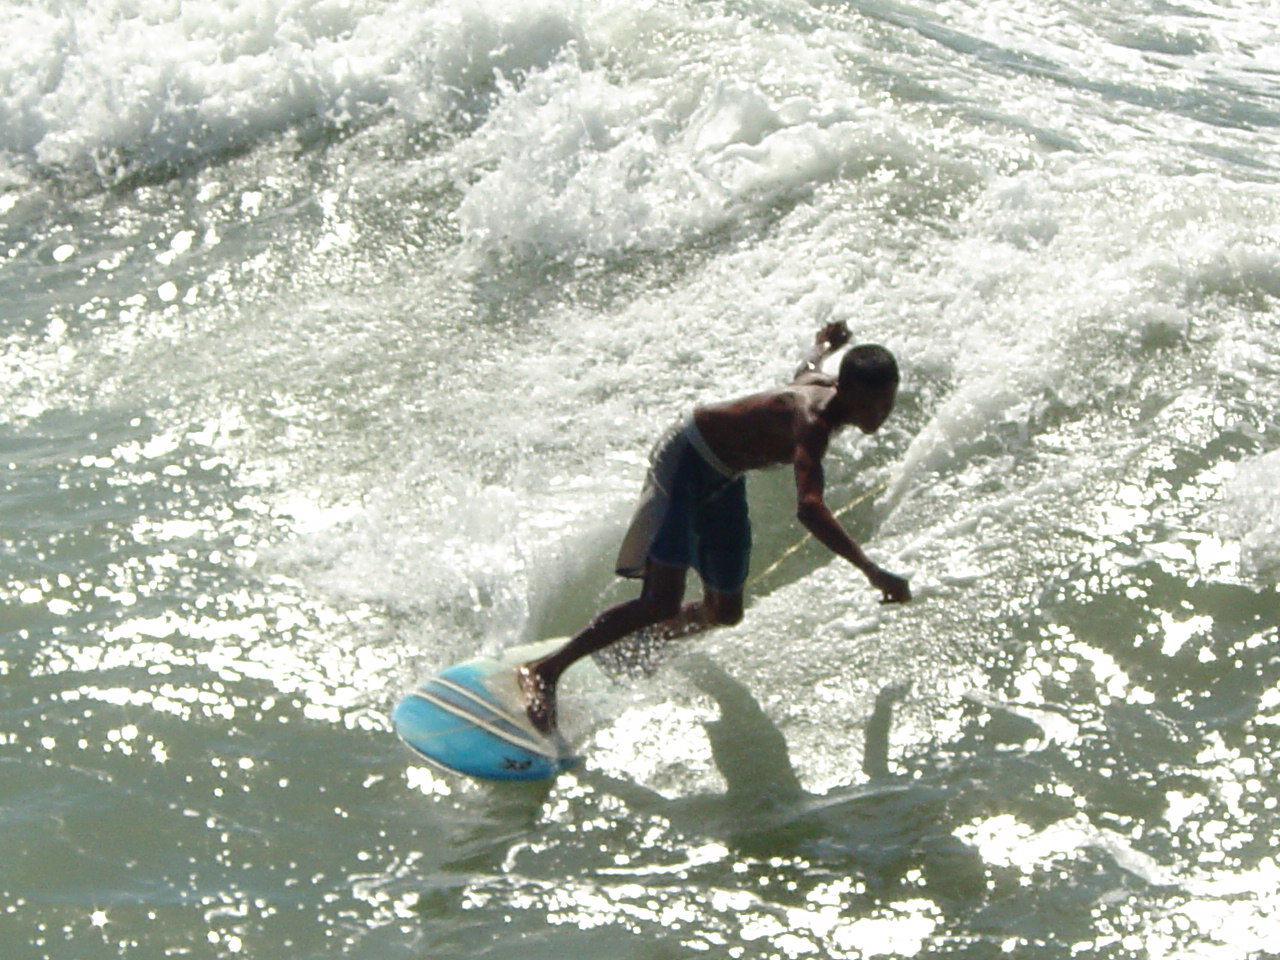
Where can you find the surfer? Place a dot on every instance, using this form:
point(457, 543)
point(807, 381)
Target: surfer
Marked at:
point(693, 508)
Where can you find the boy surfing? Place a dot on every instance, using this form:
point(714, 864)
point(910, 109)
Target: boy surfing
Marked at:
point(693, 508)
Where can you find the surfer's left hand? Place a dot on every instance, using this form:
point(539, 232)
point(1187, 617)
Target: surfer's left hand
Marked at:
point(894, 588)
point(833, 336)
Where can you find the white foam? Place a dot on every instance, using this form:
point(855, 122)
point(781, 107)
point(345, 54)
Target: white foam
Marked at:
point(1062, 293)
point(576, 163)
point(118, 86)
point(1251, 510)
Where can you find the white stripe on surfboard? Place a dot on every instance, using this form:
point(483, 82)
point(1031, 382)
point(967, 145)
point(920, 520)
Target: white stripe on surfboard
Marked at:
point(482, 701)
point(515, 739)
point(498, 711)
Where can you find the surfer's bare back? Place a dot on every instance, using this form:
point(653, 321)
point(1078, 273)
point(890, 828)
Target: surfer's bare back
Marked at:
point(693, 509)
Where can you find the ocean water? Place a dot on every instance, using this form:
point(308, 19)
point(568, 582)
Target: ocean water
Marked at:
point(333, 335)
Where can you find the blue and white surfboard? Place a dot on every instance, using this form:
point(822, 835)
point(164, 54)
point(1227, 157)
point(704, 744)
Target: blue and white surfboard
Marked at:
point(470, 719)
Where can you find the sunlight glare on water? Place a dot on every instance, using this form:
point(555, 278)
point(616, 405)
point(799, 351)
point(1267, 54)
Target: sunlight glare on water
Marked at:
point(332, 340)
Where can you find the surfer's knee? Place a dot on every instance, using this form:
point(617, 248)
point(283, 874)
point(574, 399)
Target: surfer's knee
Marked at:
point(663, 591)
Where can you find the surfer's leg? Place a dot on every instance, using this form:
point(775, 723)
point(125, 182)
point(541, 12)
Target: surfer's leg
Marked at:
point(721, 554)
point(643, 652)
point(715, 609)
point(658, 601)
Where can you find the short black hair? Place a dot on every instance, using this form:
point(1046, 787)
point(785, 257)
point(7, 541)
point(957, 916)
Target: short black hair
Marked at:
point(869, 366)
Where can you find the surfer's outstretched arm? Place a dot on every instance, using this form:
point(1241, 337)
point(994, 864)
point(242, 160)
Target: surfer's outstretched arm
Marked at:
point(813, 512)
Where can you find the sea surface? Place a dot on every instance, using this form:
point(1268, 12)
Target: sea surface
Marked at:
point(334, 335)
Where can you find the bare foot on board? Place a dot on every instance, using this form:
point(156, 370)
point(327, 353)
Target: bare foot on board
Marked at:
point(540, 698)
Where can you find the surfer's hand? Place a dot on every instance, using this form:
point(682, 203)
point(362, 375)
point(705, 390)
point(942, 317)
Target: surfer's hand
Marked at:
point(894, 588)
point(833, 336)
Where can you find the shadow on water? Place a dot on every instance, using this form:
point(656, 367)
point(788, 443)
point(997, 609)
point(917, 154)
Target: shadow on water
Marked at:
point(879, 830)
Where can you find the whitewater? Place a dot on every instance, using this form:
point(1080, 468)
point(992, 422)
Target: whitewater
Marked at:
point(333, 338)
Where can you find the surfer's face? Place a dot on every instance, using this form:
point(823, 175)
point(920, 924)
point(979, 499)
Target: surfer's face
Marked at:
point(871, 408)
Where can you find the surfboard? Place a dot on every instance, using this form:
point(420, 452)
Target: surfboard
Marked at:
point(470, 719)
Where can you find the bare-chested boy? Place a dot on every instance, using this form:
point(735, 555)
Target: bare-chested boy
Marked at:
point(693, 509)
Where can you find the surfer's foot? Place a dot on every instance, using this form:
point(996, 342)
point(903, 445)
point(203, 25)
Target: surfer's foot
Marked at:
point(540, 698)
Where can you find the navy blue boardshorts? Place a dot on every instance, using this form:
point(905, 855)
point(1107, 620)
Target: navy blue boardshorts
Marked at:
point(692, 513)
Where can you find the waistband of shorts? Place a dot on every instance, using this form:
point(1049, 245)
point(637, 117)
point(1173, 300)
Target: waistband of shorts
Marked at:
point(699, 444)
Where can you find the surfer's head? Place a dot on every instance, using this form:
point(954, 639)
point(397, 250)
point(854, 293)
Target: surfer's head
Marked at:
point(866, 386)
